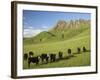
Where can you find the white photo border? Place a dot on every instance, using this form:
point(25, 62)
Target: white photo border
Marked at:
point(50, 71)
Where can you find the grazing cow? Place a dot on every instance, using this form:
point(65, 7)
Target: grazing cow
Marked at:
point(78, 50)
point(60, 55)
point(33, 60)
point(44, 57)
point(84, 49)
point(69, 52)
point(31, 54)
point(52, 57)
point(25, 56)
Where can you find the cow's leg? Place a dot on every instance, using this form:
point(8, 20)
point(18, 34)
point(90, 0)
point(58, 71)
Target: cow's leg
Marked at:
point(42, 60)
point(37, 63)
point(51, 59)
point(29, 64)
point(47, 60)
point(54, 59)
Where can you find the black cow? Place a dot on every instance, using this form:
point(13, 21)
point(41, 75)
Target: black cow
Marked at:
point(84, 49)
point(78, 50)
point(69, 52)
point(31, 54)
point(52, 57)
point(33, 60)
point(25, 56)
point(60, 55)
point(44, 57)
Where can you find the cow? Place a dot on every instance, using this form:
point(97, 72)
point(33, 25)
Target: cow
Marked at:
point(25, 56)
point(69, 52)
point(60, 55)
point(33, 60)
point(78, 50)
point(31, 54)
point(44, 57)
point(52, 57)
point(84, 49)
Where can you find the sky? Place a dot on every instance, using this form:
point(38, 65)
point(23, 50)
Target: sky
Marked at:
point(35, 22)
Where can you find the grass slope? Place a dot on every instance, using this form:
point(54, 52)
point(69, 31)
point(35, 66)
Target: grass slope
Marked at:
point(76, 61)
point(55, 35)
point(54, 47)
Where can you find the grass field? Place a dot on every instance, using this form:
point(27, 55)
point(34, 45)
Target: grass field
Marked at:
point(54, 46)
point(76, 61)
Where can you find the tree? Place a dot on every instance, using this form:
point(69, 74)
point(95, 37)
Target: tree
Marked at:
point(40, 40)
point(62, 36)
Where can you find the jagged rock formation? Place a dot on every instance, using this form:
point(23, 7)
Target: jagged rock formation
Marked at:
point(61, 24)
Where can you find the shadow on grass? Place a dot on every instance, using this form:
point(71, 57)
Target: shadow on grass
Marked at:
point(82, 52)
point(57, 60)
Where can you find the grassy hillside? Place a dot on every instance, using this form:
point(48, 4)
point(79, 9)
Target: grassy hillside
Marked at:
point(56, 35)
point(56, 40)
point(54, 47)
point(59, 45)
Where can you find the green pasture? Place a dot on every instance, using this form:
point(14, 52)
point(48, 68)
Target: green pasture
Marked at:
point(82, 59)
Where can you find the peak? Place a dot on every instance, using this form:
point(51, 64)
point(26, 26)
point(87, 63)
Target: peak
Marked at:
point(62, 24)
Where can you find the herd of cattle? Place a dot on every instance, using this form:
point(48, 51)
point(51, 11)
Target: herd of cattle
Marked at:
point(45, 58)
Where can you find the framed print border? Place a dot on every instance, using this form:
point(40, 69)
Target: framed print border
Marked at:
point(14, 30)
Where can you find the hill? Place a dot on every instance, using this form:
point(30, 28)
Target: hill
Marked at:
point(63, 30)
